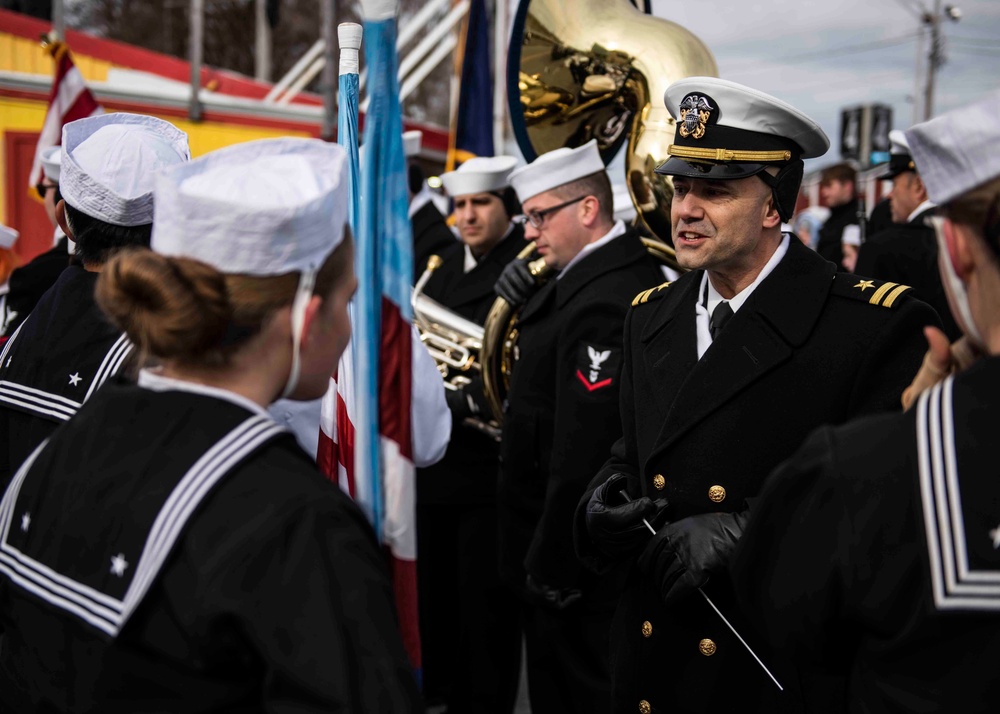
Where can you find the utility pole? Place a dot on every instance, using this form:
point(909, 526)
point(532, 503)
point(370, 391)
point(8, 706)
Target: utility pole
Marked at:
point(196, 50)
point(935, 53)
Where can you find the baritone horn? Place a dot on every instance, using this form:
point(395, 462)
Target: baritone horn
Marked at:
point(597, 69)
point(454, 342)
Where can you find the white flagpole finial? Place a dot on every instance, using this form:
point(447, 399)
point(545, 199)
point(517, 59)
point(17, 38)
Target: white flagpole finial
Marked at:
point(349, 35)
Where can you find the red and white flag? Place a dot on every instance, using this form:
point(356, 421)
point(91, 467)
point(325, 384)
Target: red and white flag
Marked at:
point(69, 100)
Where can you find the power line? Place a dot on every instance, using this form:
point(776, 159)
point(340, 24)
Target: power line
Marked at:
point(838, 51)
point(912, 7)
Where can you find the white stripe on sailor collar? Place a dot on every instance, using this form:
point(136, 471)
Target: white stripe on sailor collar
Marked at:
point(954, 584)
point(150, 379)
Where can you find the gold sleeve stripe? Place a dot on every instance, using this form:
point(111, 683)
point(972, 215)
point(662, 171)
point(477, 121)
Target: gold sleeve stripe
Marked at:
point(642, 297)
point(895, 294)
point(877, 296)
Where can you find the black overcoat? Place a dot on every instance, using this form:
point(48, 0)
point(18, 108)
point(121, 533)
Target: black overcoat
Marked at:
point(873, 554)
point(810, 346)
point(562, 410)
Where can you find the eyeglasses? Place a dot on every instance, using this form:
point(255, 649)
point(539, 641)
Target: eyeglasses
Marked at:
point(537, 218)
point(42, 188)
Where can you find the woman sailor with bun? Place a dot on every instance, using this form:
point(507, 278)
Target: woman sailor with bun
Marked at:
point(171, 549)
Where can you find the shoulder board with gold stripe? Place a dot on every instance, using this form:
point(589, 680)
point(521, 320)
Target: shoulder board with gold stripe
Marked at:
point(875, 292)
point(647, 295)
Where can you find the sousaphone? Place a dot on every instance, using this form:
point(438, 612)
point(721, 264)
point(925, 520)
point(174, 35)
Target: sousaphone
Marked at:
point(592, 69)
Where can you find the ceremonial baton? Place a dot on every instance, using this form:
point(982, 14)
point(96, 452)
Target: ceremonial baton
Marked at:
point(721, 616)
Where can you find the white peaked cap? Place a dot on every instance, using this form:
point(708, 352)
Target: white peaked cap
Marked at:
point(411, 142)
point(261, 208)
point(51, 160)
point(8, 236)
point(556, 168)
point(957, 151)
point(738, 109)
point(898, 143)
point(481, 174)
point(109, 163)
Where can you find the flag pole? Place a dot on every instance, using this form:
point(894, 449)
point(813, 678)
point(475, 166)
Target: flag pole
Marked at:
point(196, 49)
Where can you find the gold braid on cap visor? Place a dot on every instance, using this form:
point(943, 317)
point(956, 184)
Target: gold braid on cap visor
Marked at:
point(690, 152)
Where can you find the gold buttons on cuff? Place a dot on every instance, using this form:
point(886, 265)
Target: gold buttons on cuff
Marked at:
point(659, 482)
point(706, 647)
point(716, 494)
point(647, 629)
point(644, 707)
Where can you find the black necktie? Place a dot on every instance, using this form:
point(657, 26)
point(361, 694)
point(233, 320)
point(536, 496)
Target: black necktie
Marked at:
point(720, 316)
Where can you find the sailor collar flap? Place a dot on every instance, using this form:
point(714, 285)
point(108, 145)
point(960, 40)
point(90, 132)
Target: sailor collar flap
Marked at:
point(100, 569)
point(961, 530)
point(62, 353)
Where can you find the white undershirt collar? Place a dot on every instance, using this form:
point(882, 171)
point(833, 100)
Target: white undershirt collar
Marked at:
point(156, 382)
point(618, 229)
point(920, 209)
point(710, 298)
point(470, 261)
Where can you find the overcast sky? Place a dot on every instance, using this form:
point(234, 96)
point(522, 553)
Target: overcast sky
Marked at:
point(823, 56)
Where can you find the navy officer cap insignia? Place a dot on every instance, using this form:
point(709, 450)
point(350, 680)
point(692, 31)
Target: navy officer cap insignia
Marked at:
point(695, 113)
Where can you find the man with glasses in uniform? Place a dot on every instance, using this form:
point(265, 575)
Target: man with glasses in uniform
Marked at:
point(562, 416)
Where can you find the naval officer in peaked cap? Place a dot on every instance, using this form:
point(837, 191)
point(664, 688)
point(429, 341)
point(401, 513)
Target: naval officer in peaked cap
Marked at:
point(874, 553)
point(725, 372)
point(906, 251)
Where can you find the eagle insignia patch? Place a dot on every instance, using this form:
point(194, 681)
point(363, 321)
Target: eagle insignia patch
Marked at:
point(597, 366)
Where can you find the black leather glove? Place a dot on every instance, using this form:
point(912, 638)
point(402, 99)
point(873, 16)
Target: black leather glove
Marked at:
point(615, 524)
point(682, 555)
point(468, 401)
point(516, 283)
point(549, 597)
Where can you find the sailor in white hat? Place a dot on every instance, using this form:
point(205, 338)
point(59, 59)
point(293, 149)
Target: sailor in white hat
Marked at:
point(29, 282)
point(66, 349)
point(173, 526)
point(888, 567)
point(562, 414)
point(726, 371)
point(477, 626)
point(906, 251)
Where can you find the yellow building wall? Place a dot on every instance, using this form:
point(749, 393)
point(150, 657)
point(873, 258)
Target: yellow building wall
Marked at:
point(28, 115)
point(18, 54)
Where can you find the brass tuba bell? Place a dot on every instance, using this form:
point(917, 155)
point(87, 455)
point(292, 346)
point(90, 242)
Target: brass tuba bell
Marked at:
point(597, 69)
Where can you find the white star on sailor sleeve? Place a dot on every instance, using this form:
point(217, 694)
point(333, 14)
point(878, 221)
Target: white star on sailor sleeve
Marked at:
point(74, 379)
point(118, 565)
point(26, 522)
